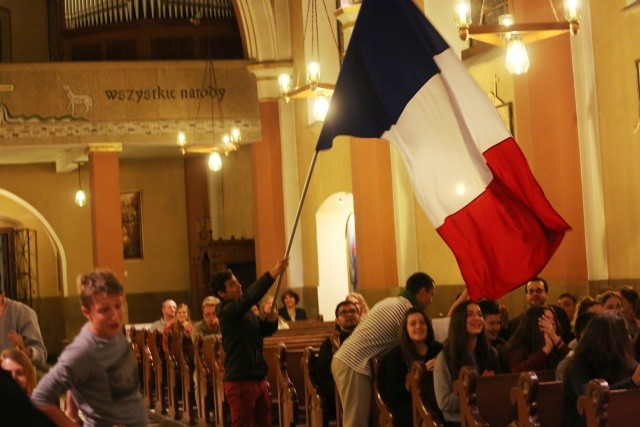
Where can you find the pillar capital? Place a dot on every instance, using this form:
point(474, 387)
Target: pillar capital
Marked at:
point(267, 78)
point(104, 147)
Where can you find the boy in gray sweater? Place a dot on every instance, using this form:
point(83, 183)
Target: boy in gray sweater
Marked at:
point(98, 366)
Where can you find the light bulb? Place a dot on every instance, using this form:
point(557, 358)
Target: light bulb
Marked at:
point(462, 14)
point(572, 10)
point(320, 108)
point(284, 84)
point(215, 161)
point(507, 19)
point(235, 135)
point(313, 74)
point(81, 198)
point(517, 60)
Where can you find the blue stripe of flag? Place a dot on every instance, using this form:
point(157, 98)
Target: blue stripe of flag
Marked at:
point(389, 58)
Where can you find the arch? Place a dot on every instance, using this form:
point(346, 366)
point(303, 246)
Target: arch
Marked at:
point(259, 23)
point(333, 266)
point(53, 237)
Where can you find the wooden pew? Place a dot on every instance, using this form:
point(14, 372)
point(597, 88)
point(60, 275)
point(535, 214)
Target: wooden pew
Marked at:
point(221, 407)
point(174, 376)
point(486, 400)
point(603, 407)
point(148, 372)
point(296, 345)
point(538, 403)
point(295, 341)
point(288, 409)
point(136, 341)
point(380, 414)
point(204, 372)
point(154, 341)
point(186, 360)
point(313, 402)
point(424, 415)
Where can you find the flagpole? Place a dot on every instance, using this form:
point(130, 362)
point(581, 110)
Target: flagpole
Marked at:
point(295, 223)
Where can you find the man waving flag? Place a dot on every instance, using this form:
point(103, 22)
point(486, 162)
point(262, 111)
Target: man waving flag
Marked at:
point(400, 81)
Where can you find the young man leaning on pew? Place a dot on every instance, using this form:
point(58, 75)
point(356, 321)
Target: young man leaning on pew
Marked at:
point(377, 335)
point(245, 369)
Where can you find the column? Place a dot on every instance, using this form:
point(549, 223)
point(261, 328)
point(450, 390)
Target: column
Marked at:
point(104, 176)
point(275, 198)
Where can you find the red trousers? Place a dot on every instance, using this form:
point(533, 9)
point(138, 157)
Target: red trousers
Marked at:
point(250, 403)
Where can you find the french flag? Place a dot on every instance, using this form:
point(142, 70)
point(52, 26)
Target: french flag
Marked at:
point(400, 81)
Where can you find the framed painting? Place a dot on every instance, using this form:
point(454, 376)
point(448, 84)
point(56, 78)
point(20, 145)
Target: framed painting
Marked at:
point(131, 211)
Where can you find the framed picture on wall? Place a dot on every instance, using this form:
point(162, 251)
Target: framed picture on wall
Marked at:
point(506, 113)
point(131, 211)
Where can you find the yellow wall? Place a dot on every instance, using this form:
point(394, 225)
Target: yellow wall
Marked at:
point(616, 48)
point(52, 195)
point(164, 266)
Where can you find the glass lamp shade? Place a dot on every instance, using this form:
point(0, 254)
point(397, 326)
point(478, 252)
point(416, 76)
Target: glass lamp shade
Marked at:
point(284, 84)
point(215, 161)
point(81, 198)
point(313, 74)
point(320, 108)
point(572, 10)
point(517, 60)
point(462, 14)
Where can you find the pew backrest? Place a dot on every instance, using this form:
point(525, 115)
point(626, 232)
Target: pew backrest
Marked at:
point(423, 414)
point(538, 403)
point(486, 400)
point(603, 407)
point(381, 414)
point(288, 411)
point(313, 402)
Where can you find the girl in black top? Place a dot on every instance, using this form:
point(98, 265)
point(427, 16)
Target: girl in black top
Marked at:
point(417, 343)
point(604, 351)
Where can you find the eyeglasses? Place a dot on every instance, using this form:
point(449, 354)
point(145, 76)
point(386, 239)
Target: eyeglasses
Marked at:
point(343, 313)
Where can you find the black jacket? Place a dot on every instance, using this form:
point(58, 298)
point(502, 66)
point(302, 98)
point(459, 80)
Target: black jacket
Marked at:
point(300, 314)
point(242, 333)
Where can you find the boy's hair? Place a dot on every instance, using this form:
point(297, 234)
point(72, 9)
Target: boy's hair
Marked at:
point(419, 280)
point(569, 295)
point(97, 282)
point(216, 282)
point(212, 301)
point(488, 307)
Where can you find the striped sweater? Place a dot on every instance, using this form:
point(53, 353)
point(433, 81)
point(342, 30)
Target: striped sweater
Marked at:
point(376, 335)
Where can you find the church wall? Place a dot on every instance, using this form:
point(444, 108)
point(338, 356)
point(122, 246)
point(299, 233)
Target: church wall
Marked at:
point(615, 36)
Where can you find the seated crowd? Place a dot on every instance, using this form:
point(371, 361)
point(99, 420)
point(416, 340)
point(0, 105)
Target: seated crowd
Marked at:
point(579, 338)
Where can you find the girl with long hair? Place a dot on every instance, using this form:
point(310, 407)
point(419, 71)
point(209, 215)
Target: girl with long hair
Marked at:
point(20, 367)
point(466, 345)
point(536, 343)
point(417, 343)
point(180, 324)
point(604, 351)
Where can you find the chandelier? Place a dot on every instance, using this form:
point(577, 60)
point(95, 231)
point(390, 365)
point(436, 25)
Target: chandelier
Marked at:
point(230, 138)
point(312, 87)
point(497, 26)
